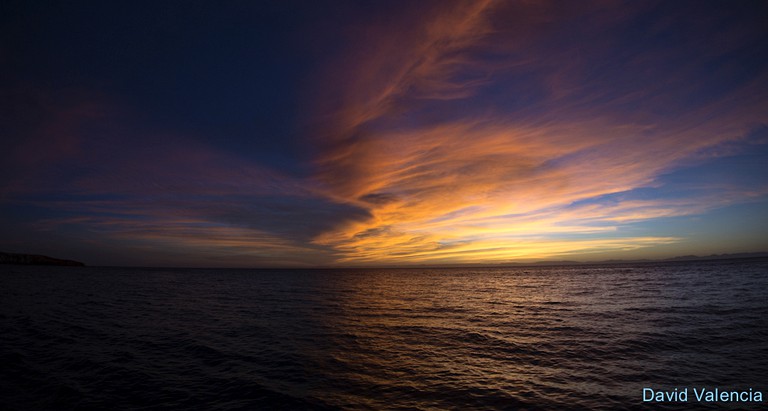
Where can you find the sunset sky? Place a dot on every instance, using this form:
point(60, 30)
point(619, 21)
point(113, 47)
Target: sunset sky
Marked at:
point(314, 133)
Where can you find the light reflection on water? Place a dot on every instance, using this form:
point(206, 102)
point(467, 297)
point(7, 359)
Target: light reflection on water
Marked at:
point(588, 337)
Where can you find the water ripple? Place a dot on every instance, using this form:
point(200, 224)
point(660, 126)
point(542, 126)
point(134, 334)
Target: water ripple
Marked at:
point(426, 339)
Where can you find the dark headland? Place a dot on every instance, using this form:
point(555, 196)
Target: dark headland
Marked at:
point(32, 259)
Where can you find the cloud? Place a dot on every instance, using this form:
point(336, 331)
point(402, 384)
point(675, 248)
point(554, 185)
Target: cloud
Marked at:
point(88, 172)
point(442, 132)
point(562, 111)
point(155, 237)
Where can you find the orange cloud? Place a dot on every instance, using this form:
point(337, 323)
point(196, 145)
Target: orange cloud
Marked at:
point(453, 132)
point(494, 184)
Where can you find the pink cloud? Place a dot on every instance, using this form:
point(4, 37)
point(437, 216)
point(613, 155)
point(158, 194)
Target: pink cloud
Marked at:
point(490, 178)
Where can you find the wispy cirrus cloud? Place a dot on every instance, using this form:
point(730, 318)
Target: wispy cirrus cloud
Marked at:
point(160, 236)
point(438, 132)
point(525, 124)
point(90, 174)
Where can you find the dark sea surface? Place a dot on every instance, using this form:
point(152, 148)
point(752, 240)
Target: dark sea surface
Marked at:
point(549, 338)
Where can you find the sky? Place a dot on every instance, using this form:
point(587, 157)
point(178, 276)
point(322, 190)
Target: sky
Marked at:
point(378, 133)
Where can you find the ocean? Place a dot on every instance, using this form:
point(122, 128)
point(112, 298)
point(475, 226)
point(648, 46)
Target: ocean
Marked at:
point(590, 337)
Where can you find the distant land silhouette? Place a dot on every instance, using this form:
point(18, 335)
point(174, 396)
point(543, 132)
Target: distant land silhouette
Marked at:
point(681, 258)
point(33, 259)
